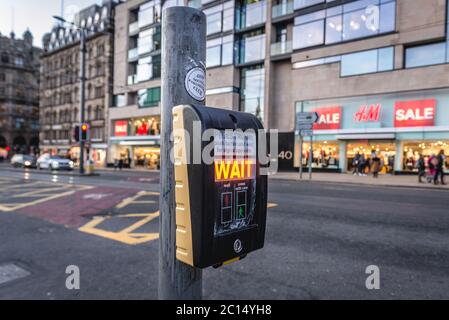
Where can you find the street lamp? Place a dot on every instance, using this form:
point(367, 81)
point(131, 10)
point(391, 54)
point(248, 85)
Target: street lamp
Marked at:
point(82, 32)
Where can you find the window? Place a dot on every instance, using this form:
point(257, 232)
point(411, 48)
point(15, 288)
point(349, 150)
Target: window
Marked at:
point(252, 91)
point(119, 100)
point(252, 47)
point(149, 40)
point(149, 13)
point(251, 13)
point(220, 18)
point(367, 62)
point(300, 4)
point(425, 55)
point(312, 34)
point(354, 20)
point(220, 51)
point(149, 97)
point(149, 68)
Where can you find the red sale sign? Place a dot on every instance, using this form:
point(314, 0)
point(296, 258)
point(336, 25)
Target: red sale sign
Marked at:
point(121, 128)
point(329, 118)
point(415, 113)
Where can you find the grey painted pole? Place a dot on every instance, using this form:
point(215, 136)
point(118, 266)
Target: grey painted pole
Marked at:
point(310, 157)
point(300, 154)
point(183, 48)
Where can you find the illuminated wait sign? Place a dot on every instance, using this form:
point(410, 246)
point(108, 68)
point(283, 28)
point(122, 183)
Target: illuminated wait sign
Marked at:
point(235, 156)
point(234, 170)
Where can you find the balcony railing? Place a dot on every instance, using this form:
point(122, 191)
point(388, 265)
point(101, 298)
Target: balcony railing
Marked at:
point(282, 9)
point(132, 79)
point(134, 28)
point(283, 47)
point(133, 54)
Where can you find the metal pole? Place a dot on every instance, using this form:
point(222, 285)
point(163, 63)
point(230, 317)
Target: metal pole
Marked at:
point(183, 48)
point(82, 92)
point(300, 154)
point(310, 157)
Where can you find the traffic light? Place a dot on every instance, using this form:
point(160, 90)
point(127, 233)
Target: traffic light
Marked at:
point(221, 204)
point(76, 133)
point(84, 132)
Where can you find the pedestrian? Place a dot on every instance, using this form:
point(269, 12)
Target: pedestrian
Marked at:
point(355, 164)
point(439, 168)
point(375, 165)
point(421, 166)
point(362, 165)
point(120, 164)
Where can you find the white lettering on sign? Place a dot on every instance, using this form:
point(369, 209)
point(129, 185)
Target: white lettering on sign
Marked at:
point(195, 83)
point(328, 118)
point(415, 115)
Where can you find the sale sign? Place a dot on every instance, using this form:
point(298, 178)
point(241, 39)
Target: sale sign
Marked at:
point(415, 113)
point(121, 128)
point(329, 118)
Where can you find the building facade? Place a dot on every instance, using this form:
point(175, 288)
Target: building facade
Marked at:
point(19, 95)
point(374, 70)
point(60, 77)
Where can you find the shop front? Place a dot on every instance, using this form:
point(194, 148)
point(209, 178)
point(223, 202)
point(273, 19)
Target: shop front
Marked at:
point(136, 143)
point(397, 128)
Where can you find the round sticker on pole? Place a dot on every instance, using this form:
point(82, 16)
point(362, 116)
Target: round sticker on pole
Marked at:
point(195, 83)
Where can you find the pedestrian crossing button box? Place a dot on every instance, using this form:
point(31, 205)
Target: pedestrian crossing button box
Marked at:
point(221, 203)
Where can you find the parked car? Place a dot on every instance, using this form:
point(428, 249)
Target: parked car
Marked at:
point(46, 161)
point(23, 161)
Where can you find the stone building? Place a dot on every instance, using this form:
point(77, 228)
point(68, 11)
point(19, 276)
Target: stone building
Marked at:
point(19, 95)
point(60, 74)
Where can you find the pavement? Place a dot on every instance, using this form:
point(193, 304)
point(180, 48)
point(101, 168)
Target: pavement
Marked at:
point(321, 237)
point(410, 181)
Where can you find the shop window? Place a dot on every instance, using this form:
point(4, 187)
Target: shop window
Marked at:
point(149, 97)
point(385, 150)
point(325, 154)
point(147, 126)
point(413, 149)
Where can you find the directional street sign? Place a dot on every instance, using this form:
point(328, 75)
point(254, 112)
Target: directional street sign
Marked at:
point(307, 126)
point(306, 133)
point(306, 118)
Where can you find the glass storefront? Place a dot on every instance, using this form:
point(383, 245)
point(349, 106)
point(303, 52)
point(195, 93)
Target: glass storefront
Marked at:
point(325, 154)
point(413, 149)
point(385, 150)
point(136, 143)
point(397, 127)
point(147, 157)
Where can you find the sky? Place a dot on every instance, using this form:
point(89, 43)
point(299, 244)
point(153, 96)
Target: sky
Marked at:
point(36, 15)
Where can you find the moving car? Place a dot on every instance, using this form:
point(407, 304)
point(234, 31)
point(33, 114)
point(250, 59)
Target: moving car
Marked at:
point(23, 161)
point(46, 161)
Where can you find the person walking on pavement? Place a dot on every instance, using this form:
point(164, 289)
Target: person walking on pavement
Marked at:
point(362, 165)
point(375, 167)
point(421, 166)
point(439, 168)
point(355, 164)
